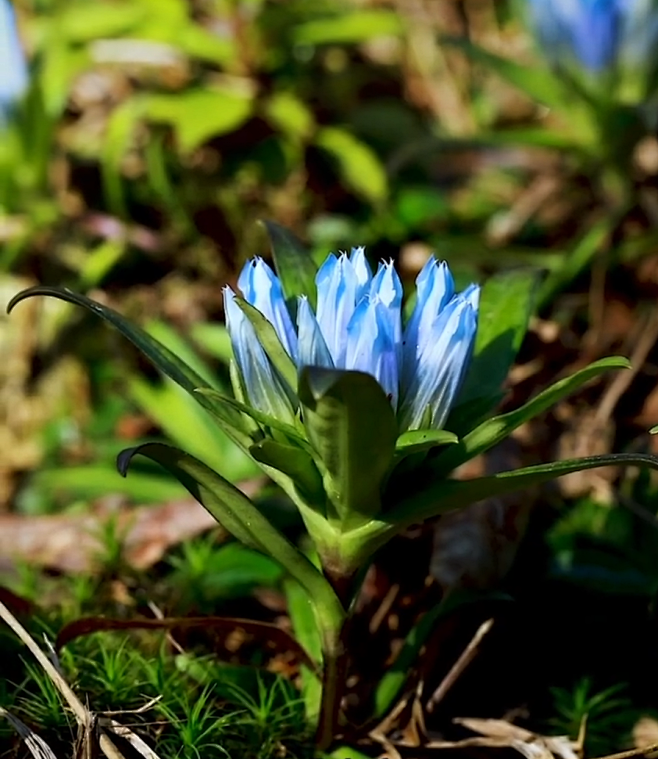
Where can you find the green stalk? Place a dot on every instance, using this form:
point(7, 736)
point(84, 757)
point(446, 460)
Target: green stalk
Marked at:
point(334, 671)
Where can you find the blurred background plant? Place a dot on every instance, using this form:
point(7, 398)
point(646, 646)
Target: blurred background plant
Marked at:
point(136, 154)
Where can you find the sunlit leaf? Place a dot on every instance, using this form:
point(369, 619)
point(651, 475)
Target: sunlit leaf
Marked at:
point(358, 165)
point(290, 114)
point(199, 114)
point(356, 26)
point(118, 138)
point(294, 264)
point(306, 632)
point(415, 441)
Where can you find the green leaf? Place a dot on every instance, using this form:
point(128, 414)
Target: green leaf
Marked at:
point(269, 339)
point(214, 339)
point(576, 260)
point(294, 264)
point(300, 610)
point(446, 495)
point(506, 304)
point(160, 356)
point(417, 441)
point(187, 424)
point(67, 484)
point(345, 28)
point(537, 82)
point(495, 430)
point(237, 514)
point(259, 416)
point(291, 115)
point(359, 166)
point(293, 462)
point(346, 752)
point(197, 115)
point(118, 137)
point(352, 427)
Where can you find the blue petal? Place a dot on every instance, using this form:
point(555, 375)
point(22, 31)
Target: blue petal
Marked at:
point(434, 289)
point(596, 34)
point(13, 67)
point(311, 347)
point(262, 385)
point(337, 286)
point(441, 366)
point(472, 295)
point(371, 345)
point(386, 289)
point(588, 29)
point(262, 289)
point(362, 270)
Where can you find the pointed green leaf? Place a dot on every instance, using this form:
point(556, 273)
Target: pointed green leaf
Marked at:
point(495, 430)
point(417, 441)
point(293, 462)
point(506, 304)
point(237, 514)
point(446, 495)
point(269, 339)
point(294, 264)
point(300, 611)
point(197, 114)
point(577, 260)
point(160, 356)
point(360, 167)
point(349, 27)
point(352, 427)
point(537, 82)
point(259, 416)
point(189, 425)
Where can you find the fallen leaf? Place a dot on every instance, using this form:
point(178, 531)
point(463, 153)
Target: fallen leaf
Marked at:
point(74, 542)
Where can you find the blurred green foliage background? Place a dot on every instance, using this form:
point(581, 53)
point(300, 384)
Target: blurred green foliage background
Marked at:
point(157, 133)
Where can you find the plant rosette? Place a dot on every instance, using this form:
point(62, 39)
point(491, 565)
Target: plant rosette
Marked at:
point(358, 415)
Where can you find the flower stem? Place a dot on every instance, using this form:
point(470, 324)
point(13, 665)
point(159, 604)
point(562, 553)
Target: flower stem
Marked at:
point(334, 672)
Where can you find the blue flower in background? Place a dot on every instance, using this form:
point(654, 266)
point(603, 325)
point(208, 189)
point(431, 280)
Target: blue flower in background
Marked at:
point(13, 66)
point(596, 32)
point(358, 326)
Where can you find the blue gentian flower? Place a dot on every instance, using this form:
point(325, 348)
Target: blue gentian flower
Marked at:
point(13, 66)
point(596, 33)
point(358, 326)
point(589, 30)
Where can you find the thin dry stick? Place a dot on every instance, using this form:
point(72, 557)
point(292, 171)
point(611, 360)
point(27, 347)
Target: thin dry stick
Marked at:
point(81, 714)
point(466, 657)
point(644, 751)
point(384, 608)
point(36, 745)
point(648, 334)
